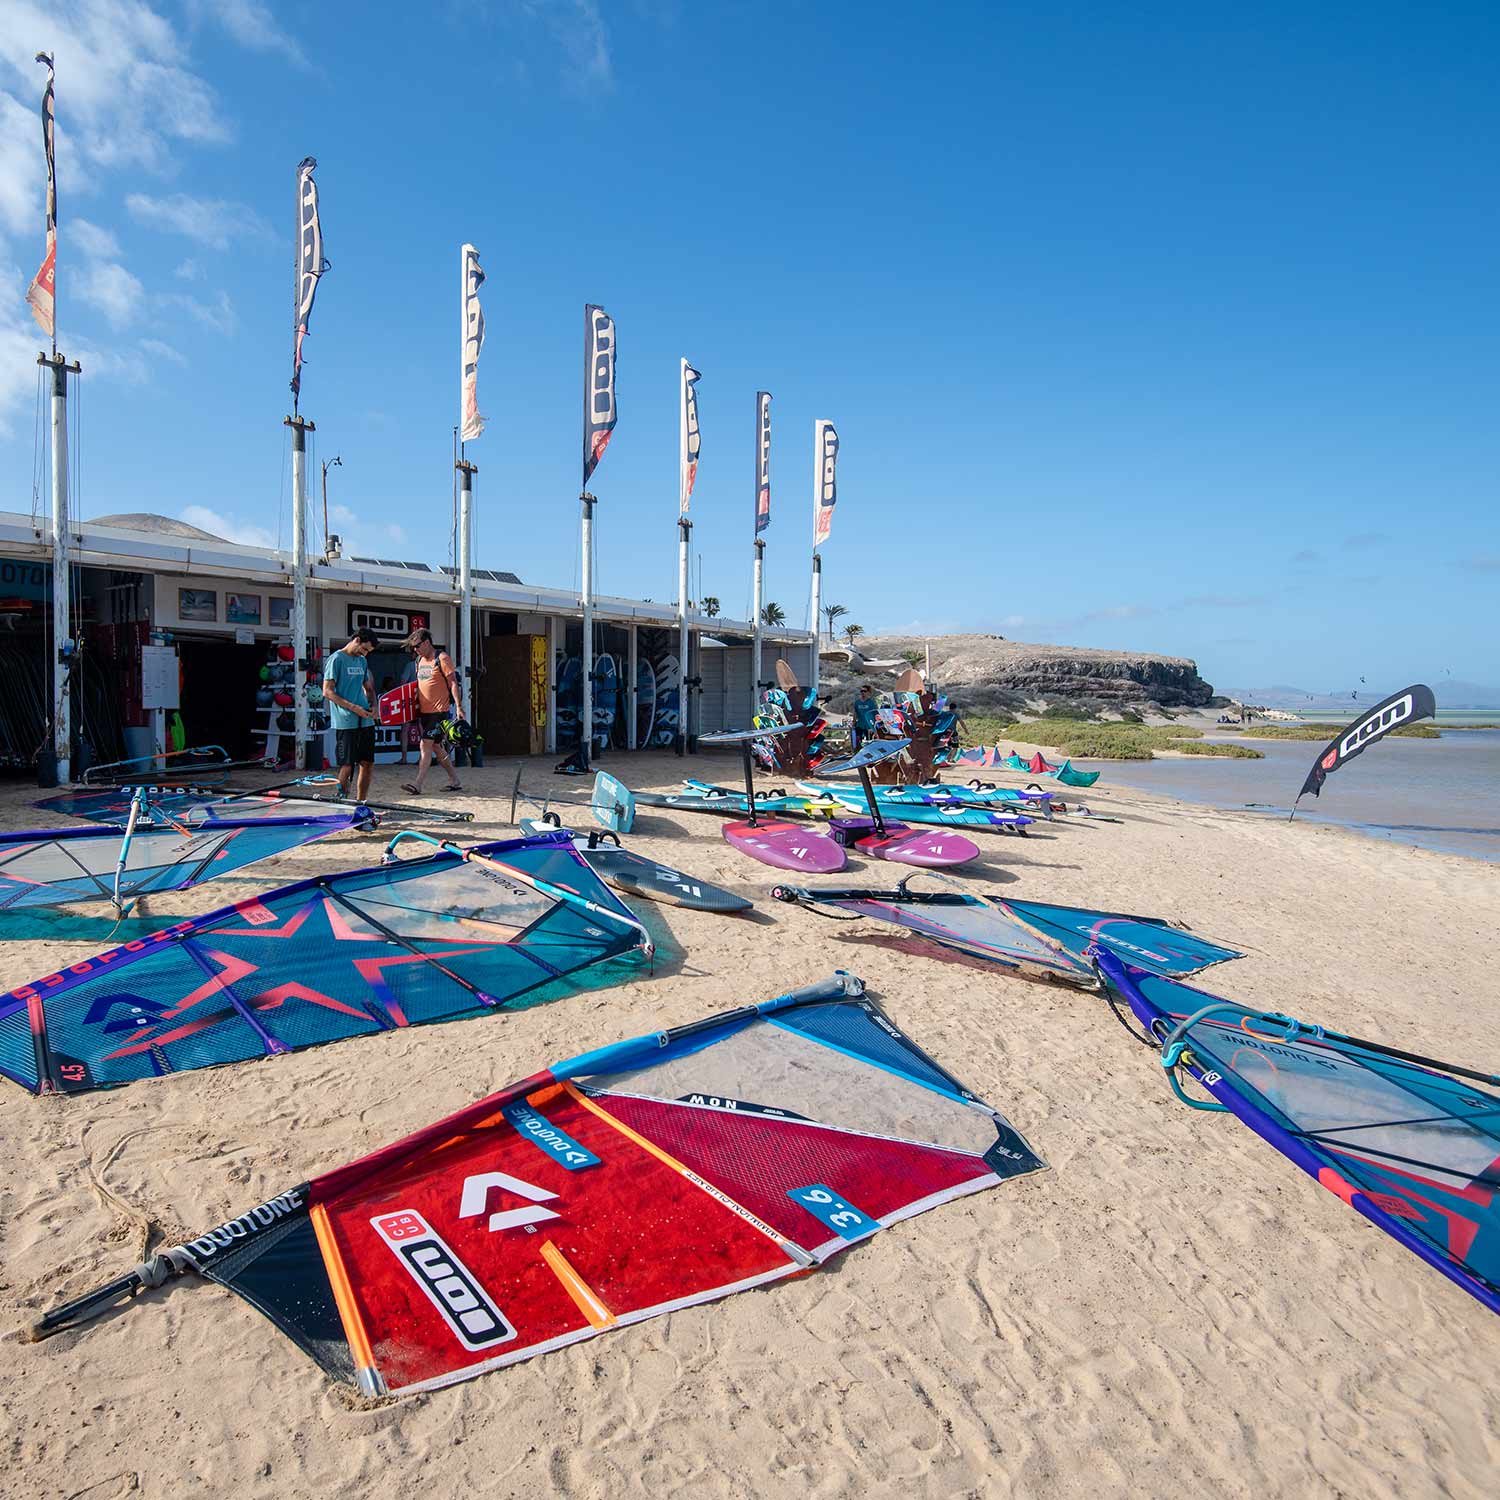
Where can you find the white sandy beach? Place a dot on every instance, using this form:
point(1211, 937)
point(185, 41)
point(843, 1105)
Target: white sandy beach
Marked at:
point(1172, 1310)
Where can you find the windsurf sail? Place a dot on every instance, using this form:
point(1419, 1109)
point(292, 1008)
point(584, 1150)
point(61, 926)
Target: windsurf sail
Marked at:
point(1406, 707)
point(652, 1175)
point(1032, 936)
point(178, 802)
point(58, 866)
point(200, 760)
point(461, 932)
point(1411, 1143)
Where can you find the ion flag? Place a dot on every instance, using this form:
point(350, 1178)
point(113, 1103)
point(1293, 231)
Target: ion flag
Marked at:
point(762, 461)
point(655, 1174)
point(471, 341)
point(42, 293)
point(691, 441)
point(599, 410)
point(310, 263)
point(826, 458)
point(1406, 707)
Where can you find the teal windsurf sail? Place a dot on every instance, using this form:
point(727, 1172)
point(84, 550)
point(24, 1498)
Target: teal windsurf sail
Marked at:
point(120, 864)
point(1033, 936)
point(461, 932)
point(1411, 1143)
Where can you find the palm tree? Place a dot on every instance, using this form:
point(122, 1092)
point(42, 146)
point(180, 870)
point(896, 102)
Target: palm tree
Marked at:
point(772, 614)
point(832, 613)
point(710, 606)
point(852, 633)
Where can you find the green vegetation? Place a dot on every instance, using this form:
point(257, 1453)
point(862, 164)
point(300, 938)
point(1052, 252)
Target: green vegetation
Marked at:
point(1217, 747)
point(1325, 731)
point(914, 657)
point(1122, 741)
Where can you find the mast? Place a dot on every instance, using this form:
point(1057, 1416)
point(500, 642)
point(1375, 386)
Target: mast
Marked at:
point(300, 428)
point(62, 743)
point(760, 573)
point(587, 546)
point(817, 592)
point(466, 473)
point(684, 536)
point(687, 463)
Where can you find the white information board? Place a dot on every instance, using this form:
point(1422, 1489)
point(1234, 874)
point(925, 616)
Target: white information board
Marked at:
point(159, 681)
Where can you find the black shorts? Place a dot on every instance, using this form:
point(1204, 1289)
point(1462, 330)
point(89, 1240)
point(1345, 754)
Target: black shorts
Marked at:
point(430, 723)
point(354, 747)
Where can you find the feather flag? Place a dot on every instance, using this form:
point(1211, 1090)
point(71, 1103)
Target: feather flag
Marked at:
point(826, 454)
point(473, 341)
point(41, 294)
point(599, 411)
point(762, 461)
point(691, 442)
point(310, 262)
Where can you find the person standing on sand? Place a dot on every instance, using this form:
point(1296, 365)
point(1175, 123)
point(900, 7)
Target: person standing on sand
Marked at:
point(349, 691)
point(437, 696)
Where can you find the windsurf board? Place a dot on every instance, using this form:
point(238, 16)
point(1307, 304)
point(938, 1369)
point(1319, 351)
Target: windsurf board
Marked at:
point(786, 846)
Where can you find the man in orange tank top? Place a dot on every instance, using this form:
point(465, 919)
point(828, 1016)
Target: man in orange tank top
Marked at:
point(437, 697)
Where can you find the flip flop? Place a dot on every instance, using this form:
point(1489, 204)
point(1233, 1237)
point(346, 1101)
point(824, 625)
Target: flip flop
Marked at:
point(412, 787)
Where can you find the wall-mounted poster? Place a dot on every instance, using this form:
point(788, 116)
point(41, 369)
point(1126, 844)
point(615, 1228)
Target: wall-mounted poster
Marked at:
point(197, 604)
point(242, 609)
point(281, 613)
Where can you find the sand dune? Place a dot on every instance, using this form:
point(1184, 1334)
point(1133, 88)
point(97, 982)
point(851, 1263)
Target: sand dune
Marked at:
point(1170, 1310)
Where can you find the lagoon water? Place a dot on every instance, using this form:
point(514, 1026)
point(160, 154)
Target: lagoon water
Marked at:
point(1439, 794)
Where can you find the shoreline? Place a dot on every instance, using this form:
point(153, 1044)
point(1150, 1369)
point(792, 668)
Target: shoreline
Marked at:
point(1088, 1330)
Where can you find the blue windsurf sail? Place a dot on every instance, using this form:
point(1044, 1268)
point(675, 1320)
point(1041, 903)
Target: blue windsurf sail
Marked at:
point(58, 866)
point(1032, 936)
point(1411, 1143)
point(461, 932)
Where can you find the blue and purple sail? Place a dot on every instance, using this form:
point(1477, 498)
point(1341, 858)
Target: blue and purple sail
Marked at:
point(122, 863)
point(1409, 1142)
point(461, 932)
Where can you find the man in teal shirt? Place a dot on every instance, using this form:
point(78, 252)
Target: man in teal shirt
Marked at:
point(349, 691)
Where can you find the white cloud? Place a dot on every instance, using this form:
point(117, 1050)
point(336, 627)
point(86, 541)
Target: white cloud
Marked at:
point(363, 536)
point(217, 316)
point(19, 344)
point(128, 95)
point(251, 24)
point(92, 242)
point(163, 351)
point(113, 290)
point(211, 221)
point(22, 171)
point(189, 270)
point(231, 528)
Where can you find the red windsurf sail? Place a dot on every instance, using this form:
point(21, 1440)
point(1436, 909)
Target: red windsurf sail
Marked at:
point(621, 1184)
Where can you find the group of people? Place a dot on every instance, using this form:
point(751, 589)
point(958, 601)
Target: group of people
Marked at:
point(349, 691)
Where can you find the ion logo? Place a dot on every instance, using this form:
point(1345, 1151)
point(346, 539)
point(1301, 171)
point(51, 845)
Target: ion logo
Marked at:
point(450, 1286)
point(1378, 723)
point(476, 1197)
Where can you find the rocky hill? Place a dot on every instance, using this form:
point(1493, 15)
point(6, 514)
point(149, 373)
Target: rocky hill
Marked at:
point(980, 668)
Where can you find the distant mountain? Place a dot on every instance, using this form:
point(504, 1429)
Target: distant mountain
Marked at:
point(1449, 691)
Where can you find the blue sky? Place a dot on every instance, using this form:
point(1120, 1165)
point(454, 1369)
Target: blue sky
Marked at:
point(1169, 326)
